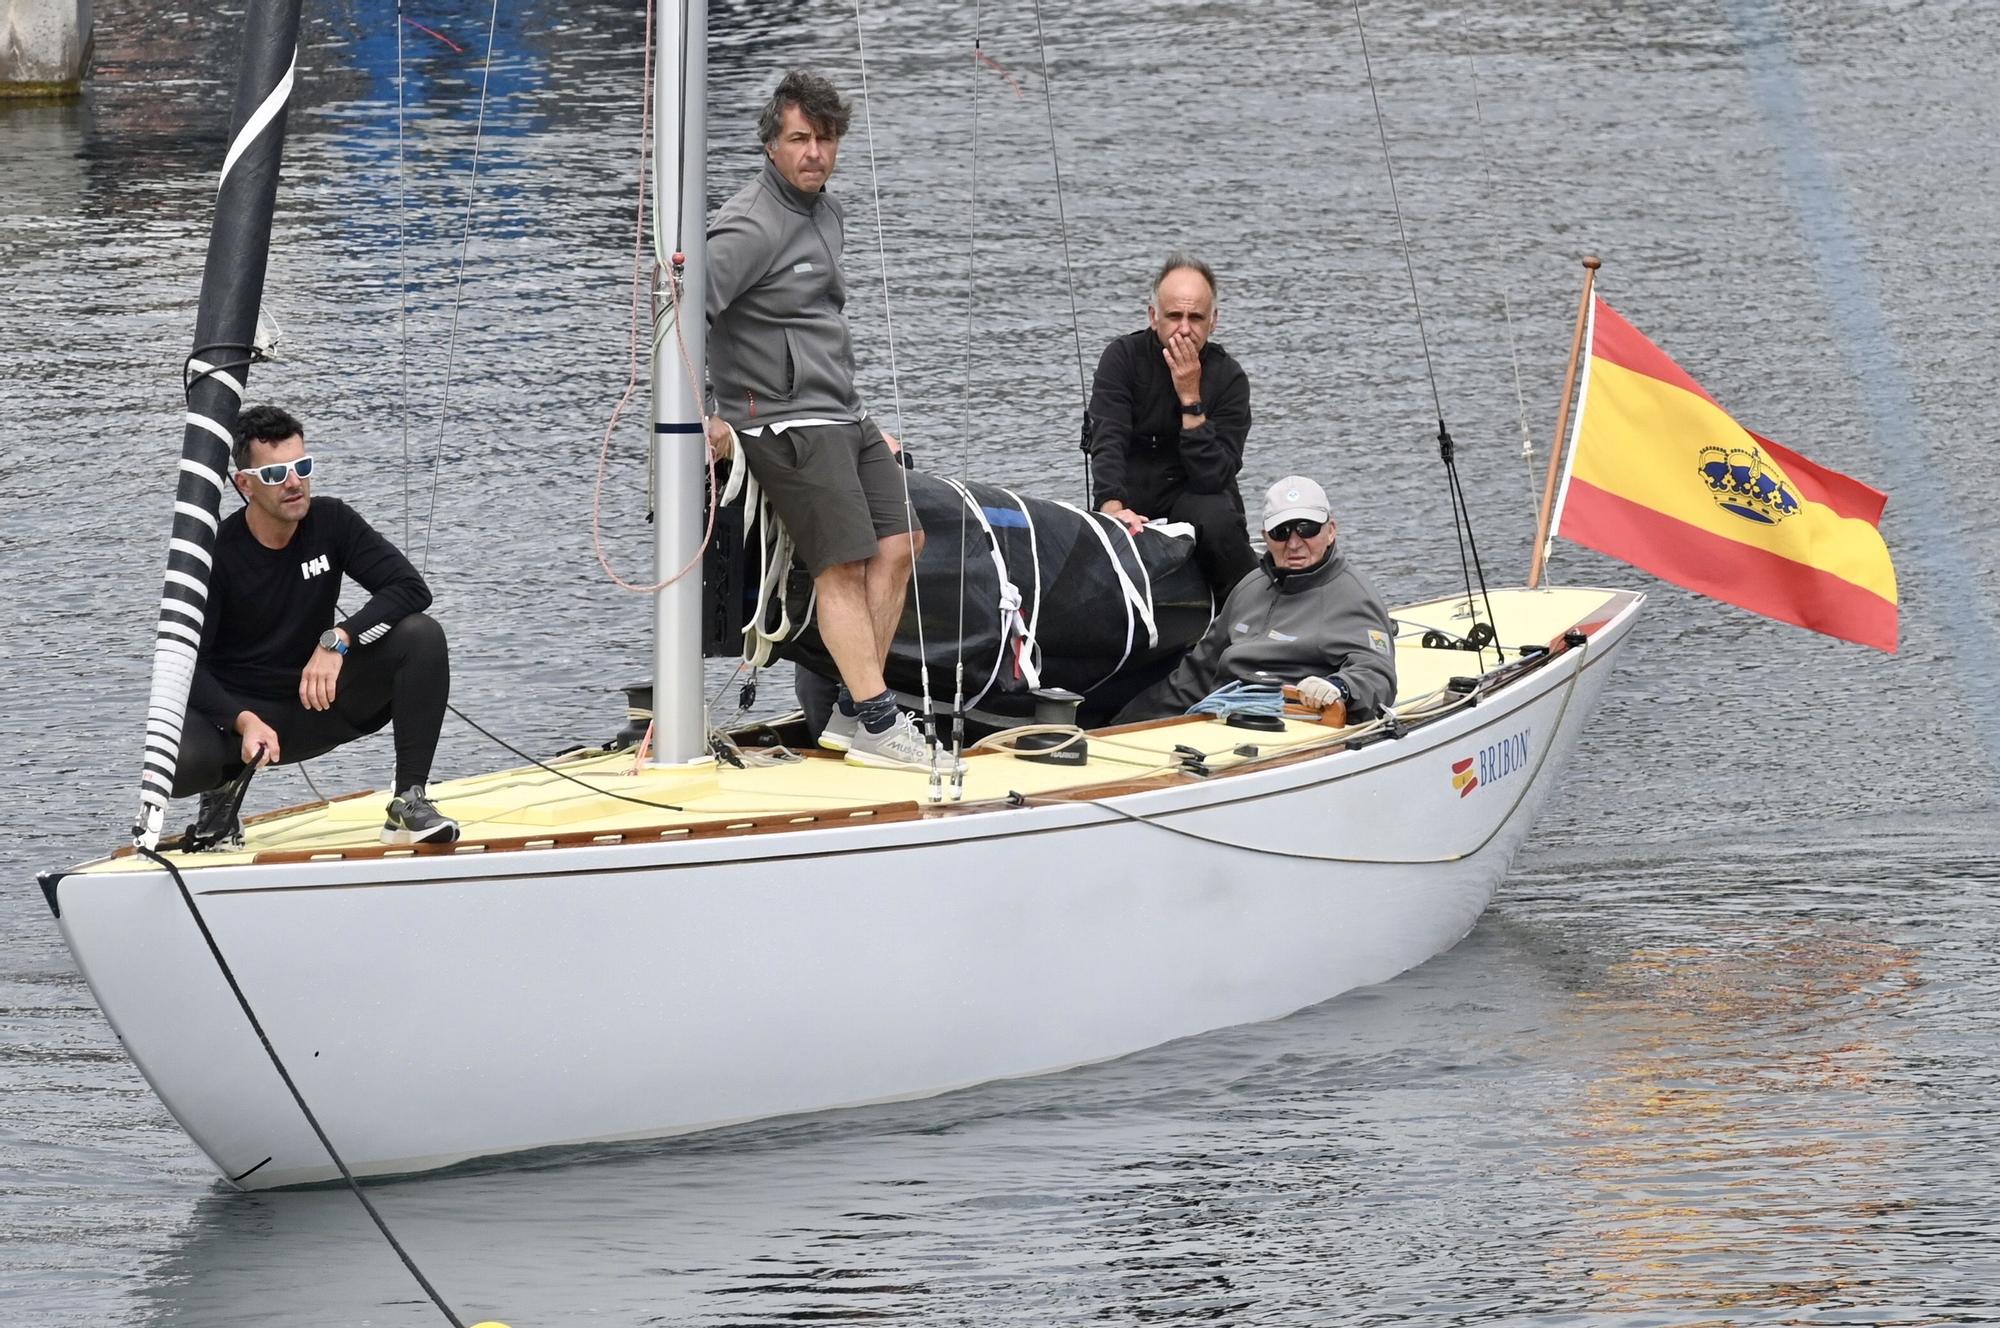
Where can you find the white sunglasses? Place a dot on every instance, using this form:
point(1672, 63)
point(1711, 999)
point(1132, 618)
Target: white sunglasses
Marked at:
point(277, 472)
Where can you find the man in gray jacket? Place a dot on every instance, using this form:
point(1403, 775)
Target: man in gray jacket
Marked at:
point(781, 370)
point(1304, 616)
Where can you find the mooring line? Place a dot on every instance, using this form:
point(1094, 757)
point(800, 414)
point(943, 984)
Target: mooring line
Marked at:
point(243, 1001)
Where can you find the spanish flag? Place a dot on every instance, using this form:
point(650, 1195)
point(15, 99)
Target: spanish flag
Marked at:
point(1662, 478)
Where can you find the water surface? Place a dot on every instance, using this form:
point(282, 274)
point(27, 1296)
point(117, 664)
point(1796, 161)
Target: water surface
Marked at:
point(1721, 1052)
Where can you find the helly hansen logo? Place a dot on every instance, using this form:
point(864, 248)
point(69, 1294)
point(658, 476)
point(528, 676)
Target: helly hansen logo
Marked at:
point(312, 567)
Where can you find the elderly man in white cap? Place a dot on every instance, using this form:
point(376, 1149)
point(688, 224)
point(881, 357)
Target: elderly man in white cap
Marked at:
point(1304, 616)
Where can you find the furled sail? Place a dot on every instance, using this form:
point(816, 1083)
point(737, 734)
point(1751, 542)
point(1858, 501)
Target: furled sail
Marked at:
point(232, 289)
point(1024, 592)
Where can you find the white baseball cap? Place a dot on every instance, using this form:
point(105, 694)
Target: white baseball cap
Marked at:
point(1294, 496)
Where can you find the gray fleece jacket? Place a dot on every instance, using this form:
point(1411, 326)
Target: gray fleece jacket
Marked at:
point(778, 345)
point(1279, 627)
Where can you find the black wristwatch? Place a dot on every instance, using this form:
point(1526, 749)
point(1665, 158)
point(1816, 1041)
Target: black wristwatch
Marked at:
point(330, 640)
point(1196, 409)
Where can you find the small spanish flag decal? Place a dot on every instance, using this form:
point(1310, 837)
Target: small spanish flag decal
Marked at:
point(1462, 777)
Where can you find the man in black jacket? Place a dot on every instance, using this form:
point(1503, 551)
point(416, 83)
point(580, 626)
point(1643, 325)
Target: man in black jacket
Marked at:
point(278, 677)
point(1169, 414)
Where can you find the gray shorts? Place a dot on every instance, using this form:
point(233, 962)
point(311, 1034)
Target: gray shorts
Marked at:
point(836, 494)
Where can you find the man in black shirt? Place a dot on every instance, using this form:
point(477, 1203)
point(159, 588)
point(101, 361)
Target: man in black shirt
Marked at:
point(278, 678)
point(1169, 414)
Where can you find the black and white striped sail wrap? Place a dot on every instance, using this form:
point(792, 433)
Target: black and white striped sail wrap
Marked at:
point(232, 289)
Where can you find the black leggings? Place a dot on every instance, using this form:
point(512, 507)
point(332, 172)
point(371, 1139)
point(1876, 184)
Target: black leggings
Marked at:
point(404, 679)
point(1221, 549)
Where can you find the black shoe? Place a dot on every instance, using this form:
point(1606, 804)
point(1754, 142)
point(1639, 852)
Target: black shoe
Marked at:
point(414, 820)
point(218, 825)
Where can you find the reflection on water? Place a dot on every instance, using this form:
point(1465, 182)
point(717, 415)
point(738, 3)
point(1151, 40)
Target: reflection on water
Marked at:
point(1750, 1114)
point(1720, 1054)
point(1740, 1131)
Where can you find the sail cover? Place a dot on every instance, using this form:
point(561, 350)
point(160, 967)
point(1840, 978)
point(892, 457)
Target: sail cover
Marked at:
point(1024, 592)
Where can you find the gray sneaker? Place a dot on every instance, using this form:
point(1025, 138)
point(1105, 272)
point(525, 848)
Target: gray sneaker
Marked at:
point(838, 735)
point(898, 747)
point(413, 819)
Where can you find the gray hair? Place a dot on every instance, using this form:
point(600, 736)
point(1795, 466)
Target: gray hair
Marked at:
point(1177, 260)
point(817, 99)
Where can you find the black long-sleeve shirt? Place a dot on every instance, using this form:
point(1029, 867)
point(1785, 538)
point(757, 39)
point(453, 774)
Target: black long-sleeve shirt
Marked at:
point(1139, 453)
point(267, 607)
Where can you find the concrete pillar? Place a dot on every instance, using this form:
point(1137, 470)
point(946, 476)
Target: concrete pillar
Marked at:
point(44, 47)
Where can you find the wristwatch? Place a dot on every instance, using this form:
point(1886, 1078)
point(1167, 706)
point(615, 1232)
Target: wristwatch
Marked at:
point(330, 640)
point(1196, 409)
point(1340, 690)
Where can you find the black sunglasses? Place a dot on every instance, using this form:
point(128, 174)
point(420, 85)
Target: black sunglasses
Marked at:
point(1303, 528)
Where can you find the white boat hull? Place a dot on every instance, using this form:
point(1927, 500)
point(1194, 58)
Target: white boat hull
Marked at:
point(535, 999)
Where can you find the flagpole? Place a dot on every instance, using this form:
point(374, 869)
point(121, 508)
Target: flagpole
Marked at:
point(1541, 552)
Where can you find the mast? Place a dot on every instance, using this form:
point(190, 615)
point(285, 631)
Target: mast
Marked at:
point(680, 488)
point(232, 289)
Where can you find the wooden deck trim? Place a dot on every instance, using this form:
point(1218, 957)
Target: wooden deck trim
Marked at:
point(886, 813)
point(773, 823)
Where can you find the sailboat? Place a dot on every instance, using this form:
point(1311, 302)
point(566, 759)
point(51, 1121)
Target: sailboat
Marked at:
point(625, 946)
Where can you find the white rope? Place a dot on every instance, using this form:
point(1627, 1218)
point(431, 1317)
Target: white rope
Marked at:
point(1139, 602)
point(1145, 582)
point(1005, 591)
point(1130, 596)
point(774, 552)
point(1035, 557)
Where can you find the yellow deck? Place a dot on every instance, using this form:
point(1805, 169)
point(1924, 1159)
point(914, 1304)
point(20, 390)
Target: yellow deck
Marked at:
point(531, 808)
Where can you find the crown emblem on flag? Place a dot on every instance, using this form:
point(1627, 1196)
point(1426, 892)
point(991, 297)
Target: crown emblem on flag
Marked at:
point(1740, 482)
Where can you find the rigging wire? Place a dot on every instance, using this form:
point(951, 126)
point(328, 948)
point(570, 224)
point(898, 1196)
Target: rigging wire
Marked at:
point(1506, 306)
point(458, 278)
point(895, 377)
point(256, 1025)
point(499, 741)
point(1461, 514)
point(1062, 231)
point(403, 262)
point(965, 435)
point(685, 48)
point(668, 278)
point(632, 330)
point(1156, 820)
